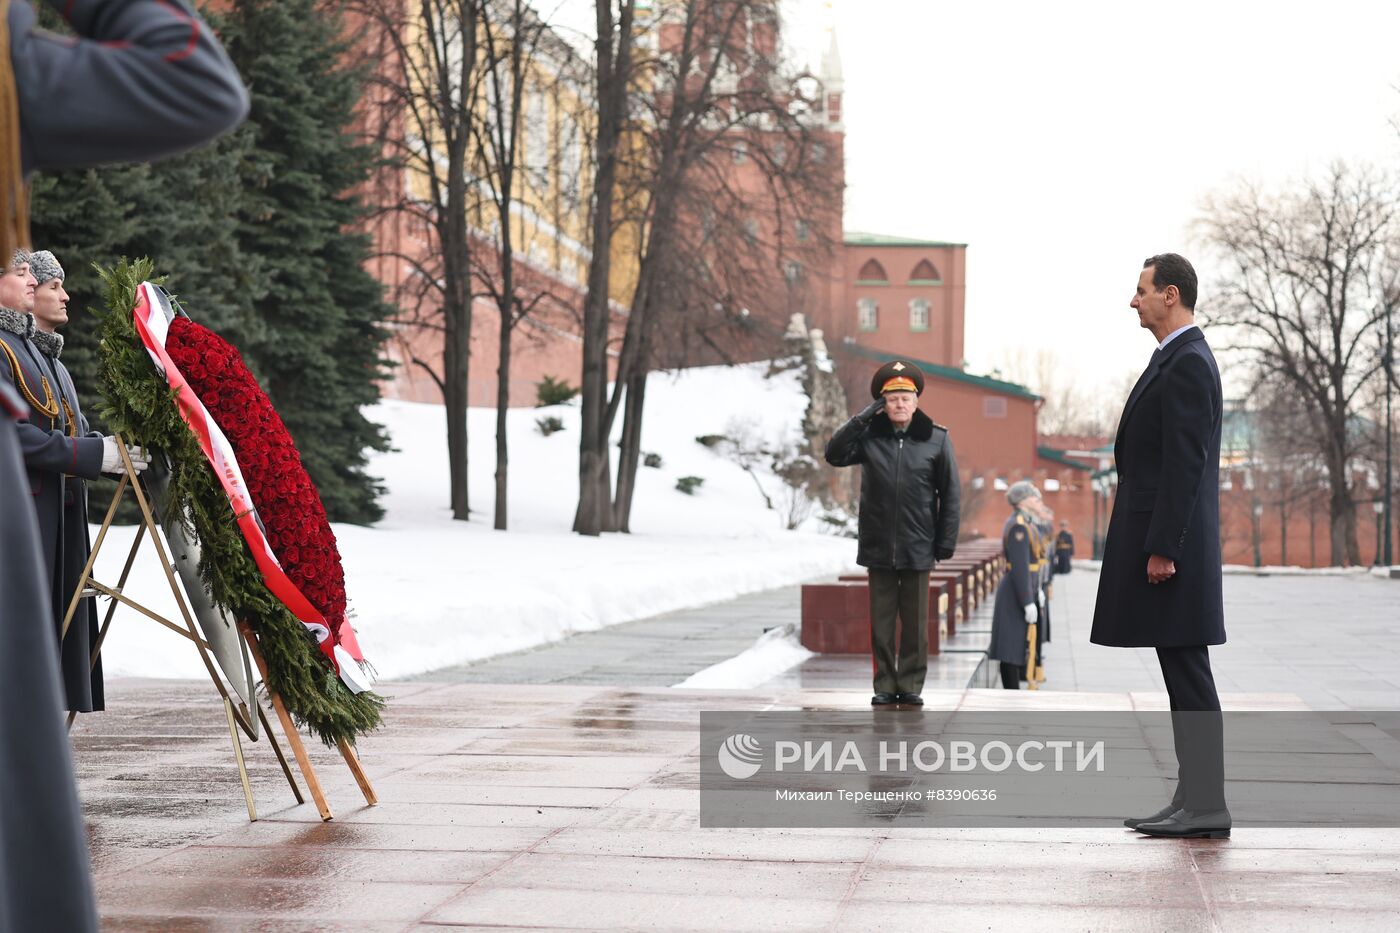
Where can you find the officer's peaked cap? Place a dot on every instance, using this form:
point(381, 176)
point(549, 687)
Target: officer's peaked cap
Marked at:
point(897, 376)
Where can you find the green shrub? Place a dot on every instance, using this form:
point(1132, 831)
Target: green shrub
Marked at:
point(711, 440)
point(549, 424)
point(652, 460)
point(551, 391)
point(688, 484)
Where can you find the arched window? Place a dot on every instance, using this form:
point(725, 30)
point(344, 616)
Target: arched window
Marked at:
point(872, 273)
point(867, 314)
point(918, 315)
point(925, 274)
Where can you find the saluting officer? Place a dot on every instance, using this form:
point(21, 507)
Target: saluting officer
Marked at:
point(1019, 595)
point(909, 507)
point(1064, 549)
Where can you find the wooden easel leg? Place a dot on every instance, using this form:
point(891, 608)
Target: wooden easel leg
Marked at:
point(92, 557)
point(1031, 682)
point(308, 773)
point(281, 758)
point(352, 761)
point(238, 755)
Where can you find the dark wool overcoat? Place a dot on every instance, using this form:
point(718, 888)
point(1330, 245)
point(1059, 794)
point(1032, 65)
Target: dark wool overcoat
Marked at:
point(909, 491)
point(1064, 552)
point(82, 679)
point(56, 449)
point(1168, 503)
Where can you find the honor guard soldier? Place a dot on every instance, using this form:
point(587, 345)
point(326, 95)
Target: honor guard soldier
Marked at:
point(1064, 549)
point(909, 508)
point(1016, 614)
point(138, 80)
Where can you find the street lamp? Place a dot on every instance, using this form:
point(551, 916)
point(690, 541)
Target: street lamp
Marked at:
point(1389, 420)
point(1097, 485)
point(1381, 546)
point(1258, 534)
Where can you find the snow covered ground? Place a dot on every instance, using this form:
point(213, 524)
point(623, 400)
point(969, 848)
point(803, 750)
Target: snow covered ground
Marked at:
point(428, 592)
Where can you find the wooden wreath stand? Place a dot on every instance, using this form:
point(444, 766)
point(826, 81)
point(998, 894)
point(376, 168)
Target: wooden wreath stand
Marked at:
point(237, 715)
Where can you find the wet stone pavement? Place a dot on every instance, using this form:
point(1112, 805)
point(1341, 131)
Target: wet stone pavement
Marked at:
point(576, 807)
point(514, 802)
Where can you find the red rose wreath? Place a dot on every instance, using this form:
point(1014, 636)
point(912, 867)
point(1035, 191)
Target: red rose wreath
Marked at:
point(287, 501)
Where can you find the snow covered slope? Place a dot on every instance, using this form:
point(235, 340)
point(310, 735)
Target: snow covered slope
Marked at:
point(428, 592)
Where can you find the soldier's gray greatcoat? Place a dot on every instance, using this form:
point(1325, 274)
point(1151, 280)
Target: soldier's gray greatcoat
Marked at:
point(142, 80)
point(1019, 587)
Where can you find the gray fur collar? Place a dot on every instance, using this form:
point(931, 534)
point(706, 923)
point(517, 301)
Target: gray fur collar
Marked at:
point(16, 323)
point(50, 344)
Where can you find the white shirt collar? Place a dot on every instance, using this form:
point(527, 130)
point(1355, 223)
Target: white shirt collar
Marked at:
point(1173, 335)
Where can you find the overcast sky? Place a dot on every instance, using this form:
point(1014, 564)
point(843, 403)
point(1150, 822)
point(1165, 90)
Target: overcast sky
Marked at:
point(1065, 142)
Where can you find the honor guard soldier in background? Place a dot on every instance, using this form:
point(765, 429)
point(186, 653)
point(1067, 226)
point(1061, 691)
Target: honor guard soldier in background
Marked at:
point(909, 507)
point(139, 80)
point(1064, 549)
point(1016, 634)
point(58, 454)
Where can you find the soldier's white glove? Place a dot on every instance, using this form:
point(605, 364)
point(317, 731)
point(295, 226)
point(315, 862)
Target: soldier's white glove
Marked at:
point(1030, 613)
point(112, 458)
point(140, 457)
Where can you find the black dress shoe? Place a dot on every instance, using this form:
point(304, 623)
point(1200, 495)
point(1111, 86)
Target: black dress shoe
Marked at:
point(1133, 822)
point(910, 699)
point(1190, 824)
point(882, 699)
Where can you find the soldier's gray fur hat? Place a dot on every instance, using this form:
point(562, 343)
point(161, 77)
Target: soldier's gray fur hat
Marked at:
point(1020, 492)
point(20, 257)
point(45, 267)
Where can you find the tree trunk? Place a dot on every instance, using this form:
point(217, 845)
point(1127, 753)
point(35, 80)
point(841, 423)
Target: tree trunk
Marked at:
point(594, 468)
point(629, 458)
point(456, 358)
point(502, 409)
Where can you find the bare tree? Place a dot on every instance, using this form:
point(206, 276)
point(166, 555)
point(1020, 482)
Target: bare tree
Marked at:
point(524, 64)
point(613, 77)
point(1308, 278)
point(712, 239)
point(422, 105)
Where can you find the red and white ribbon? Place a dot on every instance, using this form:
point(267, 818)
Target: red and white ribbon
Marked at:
point(153, 327)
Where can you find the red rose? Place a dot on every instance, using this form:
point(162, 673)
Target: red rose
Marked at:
point(286, 499)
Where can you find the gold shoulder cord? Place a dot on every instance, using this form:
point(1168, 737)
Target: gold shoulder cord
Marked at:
point(48, 407)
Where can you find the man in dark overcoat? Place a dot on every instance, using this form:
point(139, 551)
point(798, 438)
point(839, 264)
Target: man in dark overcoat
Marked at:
point(1064, 549)
point(1019, 598)
point(909, 509)
point(1160, 582)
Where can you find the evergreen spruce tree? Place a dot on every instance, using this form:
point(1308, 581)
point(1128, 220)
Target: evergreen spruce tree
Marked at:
point(321, 352)
point(255, 235)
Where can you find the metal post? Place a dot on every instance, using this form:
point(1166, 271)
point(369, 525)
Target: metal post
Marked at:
point(1098, 550)
point(1389, 382)
point(1258, 534)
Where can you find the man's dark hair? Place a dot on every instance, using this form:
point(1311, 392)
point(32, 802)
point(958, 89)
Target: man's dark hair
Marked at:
point(1173, 269)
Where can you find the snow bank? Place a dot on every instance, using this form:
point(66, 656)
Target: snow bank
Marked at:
point(429, 592)
point(775, 651)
